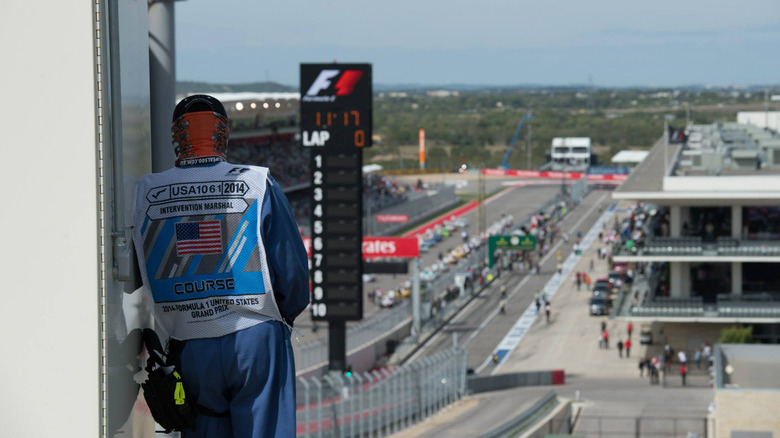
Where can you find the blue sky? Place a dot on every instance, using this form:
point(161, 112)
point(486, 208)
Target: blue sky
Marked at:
point(491, 42)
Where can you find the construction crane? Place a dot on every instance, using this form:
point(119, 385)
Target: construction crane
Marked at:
point(505, 164)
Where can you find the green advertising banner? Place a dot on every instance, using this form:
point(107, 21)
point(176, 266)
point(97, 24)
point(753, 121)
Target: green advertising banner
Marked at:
point(509, 243)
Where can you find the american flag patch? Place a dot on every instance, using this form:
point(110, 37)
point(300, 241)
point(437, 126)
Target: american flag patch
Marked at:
point(199, 238)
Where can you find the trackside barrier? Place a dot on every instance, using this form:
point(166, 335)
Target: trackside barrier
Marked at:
point(523, 421)
point(381, 402)
point(418, 209)
point(548, 174)
point(641, 427)
point(477, 384)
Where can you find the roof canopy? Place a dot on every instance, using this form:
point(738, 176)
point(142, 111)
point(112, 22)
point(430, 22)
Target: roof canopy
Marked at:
point(634, 157)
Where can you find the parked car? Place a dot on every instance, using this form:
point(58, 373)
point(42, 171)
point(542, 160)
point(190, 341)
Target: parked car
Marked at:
point(602, 287)
point(620, 267)
point(615, 279)
point(600, 305)
point(646, 334)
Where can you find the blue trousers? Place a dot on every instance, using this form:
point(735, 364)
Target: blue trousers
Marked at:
point(251, 374)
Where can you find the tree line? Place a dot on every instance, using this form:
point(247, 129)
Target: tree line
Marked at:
point(476, 127)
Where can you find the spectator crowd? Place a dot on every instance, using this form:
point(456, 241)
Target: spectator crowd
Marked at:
point(289, 162)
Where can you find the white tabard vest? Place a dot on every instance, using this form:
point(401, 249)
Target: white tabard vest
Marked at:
point(197, 235)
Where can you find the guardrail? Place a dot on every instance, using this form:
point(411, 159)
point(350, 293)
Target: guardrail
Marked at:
point(696, 246)
point(664, 306)
point(761, 305)
point(523, 421)
point(639, 427)
point(381, 402)
point(477, 384)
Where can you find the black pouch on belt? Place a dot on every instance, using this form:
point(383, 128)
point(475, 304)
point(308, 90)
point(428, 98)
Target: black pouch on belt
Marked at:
point(164, 390)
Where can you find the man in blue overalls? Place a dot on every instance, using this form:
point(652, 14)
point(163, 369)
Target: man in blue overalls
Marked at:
point(221, 255)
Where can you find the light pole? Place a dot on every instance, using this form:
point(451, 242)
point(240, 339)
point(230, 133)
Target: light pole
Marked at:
point(563, 173)
point(528, 147)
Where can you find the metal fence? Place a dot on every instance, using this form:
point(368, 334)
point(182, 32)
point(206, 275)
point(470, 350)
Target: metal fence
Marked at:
point(579, 189)
point(381, 402)
point(637, 427)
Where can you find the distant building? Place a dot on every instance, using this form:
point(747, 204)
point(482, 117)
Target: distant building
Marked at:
point(762, 119)
point(709, 244)
point(442, 93)
point(254, 114)
point(712, 235)
point(570, 154)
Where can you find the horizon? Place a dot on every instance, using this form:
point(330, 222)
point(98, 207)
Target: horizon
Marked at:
point(478, 86)
point(502, 42)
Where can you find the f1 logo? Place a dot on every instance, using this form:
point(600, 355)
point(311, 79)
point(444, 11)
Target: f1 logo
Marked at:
point(344, 86)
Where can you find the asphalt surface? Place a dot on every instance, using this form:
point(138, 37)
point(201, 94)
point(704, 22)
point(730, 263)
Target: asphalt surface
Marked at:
point(518, 201)
point(479, 325)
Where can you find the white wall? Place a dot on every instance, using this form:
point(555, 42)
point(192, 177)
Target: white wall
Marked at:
point(761, 119)
point(49, 311)
point(709, 184)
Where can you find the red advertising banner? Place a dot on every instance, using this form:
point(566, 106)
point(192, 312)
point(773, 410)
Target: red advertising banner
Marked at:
point(379, 247)
point(608, 177)
point(552, 175)
point(392, 218)
point(525, 173)
point(398, 247)
point(494, 172)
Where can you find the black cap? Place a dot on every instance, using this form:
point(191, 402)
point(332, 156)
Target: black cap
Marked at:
point(196, 103)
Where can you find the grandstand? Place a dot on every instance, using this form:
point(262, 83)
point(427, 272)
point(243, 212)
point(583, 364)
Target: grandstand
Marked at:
point(259, 111)
point(265, 133)
point(708, 234)
point(381, 192)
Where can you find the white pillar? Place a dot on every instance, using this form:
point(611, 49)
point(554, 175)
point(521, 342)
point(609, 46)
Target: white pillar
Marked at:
point(736, 221)
point(685, 280)
point(736, 278)
point(162, 81)
point(679, 280)
point(675, 222)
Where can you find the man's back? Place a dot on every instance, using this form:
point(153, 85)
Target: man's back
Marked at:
point(221, 254)
point(199, 231)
